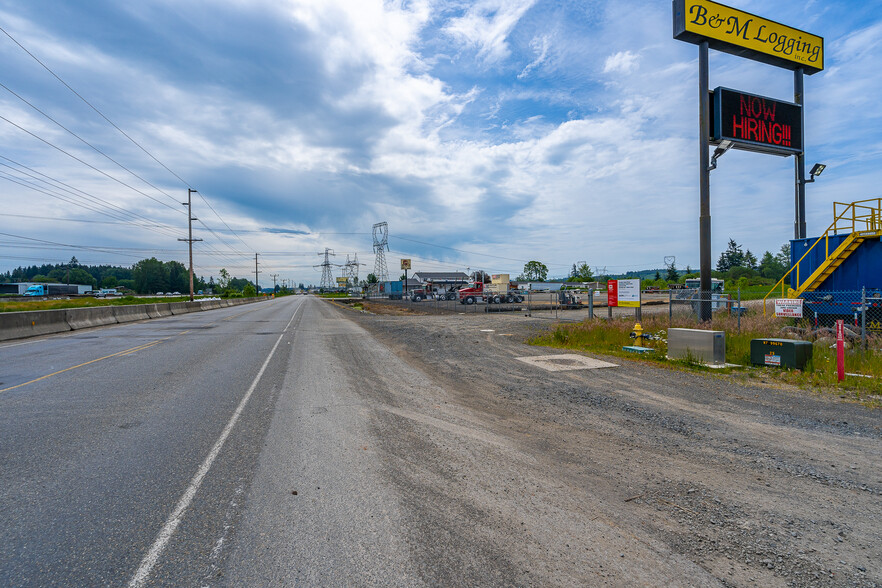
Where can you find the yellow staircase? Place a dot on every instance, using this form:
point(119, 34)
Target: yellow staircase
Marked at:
point(862, 220)
point(835, 259)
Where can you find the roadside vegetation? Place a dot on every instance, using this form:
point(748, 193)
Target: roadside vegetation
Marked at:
point(608, 337)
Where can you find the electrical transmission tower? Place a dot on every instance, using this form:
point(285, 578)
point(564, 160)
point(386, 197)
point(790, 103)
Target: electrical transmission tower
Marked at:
point(381, 246)
point(350, 270)
point(327, 282)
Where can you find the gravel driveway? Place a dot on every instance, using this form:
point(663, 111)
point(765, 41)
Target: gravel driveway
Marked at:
point(628, 475)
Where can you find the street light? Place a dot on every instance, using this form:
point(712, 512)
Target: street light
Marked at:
point(816, 170)
point(718, 152)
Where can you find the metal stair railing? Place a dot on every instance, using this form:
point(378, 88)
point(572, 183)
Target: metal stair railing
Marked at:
point(862, 213)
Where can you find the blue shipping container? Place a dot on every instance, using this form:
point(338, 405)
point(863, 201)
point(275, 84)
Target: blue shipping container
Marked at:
point(861, 269)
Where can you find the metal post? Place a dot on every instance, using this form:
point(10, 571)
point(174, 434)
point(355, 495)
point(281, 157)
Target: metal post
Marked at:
point(799, 162)
point(704, 182)
point(670, 307)
point(863, 318)
point(639, 310)
point(590, 303)
point(739, 310)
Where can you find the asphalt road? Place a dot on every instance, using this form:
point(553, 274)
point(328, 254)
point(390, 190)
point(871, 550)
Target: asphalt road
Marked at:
point(294, 442)
point(102, 432)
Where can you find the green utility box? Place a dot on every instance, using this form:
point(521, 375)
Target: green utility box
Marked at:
point(780, 352)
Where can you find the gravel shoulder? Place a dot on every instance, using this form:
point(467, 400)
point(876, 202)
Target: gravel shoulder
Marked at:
point(618, 476)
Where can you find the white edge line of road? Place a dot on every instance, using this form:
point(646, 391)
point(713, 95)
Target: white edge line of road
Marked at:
point(152, 557)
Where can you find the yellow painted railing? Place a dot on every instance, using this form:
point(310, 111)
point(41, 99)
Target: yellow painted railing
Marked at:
point(863, 215)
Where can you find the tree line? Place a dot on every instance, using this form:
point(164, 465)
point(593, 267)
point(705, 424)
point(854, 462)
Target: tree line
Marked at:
point(147, 276)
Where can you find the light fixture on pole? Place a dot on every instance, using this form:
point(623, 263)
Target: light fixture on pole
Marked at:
point(816, 170)
point(718, 152)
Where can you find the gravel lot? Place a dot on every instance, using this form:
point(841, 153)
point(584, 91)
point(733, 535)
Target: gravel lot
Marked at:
point(632, 475)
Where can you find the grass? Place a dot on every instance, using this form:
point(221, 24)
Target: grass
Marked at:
point(608, 338)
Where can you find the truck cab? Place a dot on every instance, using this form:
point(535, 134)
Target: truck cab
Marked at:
point(35, 290)
point(472, 292)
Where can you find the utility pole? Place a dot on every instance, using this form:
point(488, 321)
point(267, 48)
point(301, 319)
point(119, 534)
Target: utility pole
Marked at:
point(274, 276)
point(256, 271)
point(190, 219)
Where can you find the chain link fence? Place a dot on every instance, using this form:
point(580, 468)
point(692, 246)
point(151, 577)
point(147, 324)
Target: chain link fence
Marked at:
point(861, 309)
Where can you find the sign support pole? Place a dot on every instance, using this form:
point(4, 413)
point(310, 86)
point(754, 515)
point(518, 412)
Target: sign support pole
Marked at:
point(704, 184)
point(799, 162)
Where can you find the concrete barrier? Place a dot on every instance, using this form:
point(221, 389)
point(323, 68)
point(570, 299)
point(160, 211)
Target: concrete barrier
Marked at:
point(179, 307)
point(158, 309)
point(127, 314)
point(83, 318)
point(19, 325)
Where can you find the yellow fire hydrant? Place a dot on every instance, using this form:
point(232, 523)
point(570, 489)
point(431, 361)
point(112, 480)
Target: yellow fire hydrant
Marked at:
point(637, 334)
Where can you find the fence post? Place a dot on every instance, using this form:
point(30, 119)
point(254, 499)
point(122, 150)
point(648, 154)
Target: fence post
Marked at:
point(590, 303)
point(670, 306)
point(863, 318)
point(739, 310)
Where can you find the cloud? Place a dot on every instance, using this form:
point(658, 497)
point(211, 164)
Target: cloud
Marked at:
point(503, 128)
point(623, 62)
point(486, 26)
point(539, 45)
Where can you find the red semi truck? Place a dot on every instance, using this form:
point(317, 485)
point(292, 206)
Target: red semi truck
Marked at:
point(499, 291)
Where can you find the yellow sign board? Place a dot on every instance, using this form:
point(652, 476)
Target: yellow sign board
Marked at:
point(405, 264)
point(741, 33)
point(342, 281)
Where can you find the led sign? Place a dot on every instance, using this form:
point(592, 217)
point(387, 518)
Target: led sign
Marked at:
point(747, 35)
point(756, 123)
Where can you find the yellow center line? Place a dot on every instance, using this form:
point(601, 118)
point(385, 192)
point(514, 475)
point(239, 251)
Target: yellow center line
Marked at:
point(137, 349)
point(117, 354)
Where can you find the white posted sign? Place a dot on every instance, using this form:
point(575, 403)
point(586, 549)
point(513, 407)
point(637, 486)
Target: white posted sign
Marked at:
point(629, 293)
point(788, 307)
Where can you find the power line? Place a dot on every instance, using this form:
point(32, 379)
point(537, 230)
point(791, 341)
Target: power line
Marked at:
point(89, 104)
point(27, 184)
point(87, 164)
point(126, 135)
point(86, 142)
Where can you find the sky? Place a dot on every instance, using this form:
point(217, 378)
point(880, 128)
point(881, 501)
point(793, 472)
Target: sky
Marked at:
point(486, 133)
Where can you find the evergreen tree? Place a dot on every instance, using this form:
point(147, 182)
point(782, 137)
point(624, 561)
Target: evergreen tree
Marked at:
point(732, 257)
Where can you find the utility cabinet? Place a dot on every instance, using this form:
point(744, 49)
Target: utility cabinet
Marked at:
point(708, 347)
point(787, 353)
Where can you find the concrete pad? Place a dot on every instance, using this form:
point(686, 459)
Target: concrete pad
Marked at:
point(565, 362)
